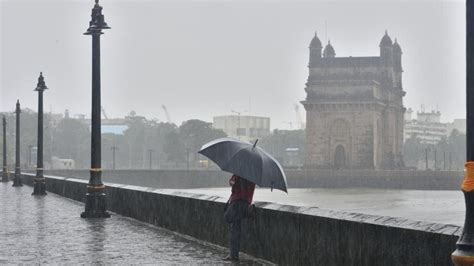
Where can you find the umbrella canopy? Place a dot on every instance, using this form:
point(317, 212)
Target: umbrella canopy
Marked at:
point(247, 161)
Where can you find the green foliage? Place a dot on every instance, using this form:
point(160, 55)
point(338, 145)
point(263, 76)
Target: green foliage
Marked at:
point(196, 133)
point(72, 141)
point(277, 143)
point(28, 129)
point(174, 147)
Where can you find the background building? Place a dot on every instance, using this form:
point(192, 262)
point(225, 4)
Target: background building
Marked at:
point(59, 163)
point(243, 127)
point(427, 127)
point(354, 108)
point(457, 124)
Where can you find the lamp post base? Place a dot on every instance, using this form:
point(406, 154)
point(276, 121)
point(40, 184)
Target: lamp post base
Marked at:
point(461, 258)
point(17, 182)
point(5, 176)
point(39, 188)
point(96, 205)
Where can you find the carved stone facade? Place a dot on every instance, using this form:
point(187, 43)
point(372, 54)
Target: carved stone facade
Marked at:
point(354, 108)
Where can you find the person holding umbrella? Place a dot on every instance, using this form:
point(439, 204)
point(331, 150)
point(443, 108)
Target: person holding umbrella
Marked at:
point(250, 166)
point(237, 209)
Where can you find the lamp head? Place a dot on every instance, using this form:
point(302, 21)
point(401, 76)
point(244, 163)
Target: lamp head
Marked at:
point(41, 86)
point(97, 23)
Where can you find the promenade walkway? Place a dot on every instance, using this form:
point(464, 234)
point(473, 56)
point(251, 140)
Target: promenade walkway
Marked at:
point(49, 230)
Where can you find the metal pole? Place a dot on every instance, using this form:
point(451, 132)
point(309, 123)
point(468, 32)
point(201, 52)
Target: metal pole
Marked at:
point(187, 159)
point(150, 151)
point(17, 182)
point(96, 201)
point(4, 170)
point(444, 160)
point(30, 147)
point(114, 148)
point(426, 158)
point(450, 161)
point(40, 182)
point(464, 253)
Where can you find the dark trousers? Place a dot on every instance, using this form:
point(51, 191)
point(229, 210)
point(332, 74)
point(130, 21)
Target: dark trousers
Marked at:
point(235, 212)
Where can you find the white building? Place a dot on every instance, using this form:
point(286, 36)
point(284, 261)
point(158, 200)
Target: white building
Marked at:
point(60, 164)
point(457, 124)
point(243, 127)
point(427, 127)
point(116, 126)
point(408, 114)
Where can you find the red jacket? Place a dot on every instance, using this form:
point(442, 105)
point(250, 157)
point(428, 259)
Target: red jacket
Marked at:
point(242, 189)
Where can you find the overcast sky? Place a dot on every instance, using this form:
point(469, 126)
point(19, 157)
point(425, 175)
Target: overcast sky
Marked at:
point(207, 58)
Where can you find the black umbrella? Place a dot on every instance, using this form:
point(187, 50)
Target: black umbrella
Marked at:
point(247, 161)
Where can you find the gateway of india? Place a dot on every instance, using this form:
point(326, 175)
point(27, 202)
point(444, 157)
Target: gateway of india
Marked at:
point(354, 108)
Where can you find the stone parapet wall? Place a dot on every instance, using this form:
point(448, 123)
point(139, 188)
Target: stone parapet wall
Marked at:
point(154, 178)
point(417, 180)
point(286, 235)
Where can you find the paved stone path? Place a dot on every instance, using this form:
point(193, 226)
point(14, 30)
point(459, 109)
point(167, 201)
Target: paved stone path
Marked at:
point(48, 230)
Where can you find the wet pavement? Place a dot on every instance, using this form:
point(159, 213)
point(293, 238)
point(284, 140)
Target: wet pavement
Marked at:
point(49, 230)
point(439, 206)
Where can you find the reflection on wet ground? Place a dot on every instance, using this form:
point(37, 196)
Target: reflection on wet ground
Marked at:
point(48, 230)
point(439, 206)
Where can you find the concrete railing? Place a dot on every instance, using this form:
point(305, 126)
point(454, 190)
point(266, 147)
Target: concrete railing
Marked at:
point(286, 235)
point(154, 178)
point(419, 180)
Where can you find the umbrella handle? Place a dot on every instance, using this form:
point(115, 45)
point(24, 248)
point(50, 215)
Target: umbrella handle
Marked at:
point(255, 144)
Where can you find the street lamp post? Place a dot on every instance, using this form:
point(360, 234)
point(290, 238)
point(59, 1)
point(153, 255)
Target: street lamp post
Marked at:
point(4, 170)
point(96, 201)
point(17, 182)
point(464, 253)
point(40, 183)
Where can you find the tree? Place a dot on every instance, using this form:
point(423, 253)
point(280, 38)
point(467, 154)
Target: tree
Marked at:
point(187, 140)
point(174, 147)
point(135, 138)
point(72, 141)
point(280, 140)
point(413, 151)
point(457, 149)
point(196, 133)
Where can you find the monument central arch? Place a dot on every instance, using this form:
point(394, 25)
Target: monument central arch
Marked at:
point(357, 103)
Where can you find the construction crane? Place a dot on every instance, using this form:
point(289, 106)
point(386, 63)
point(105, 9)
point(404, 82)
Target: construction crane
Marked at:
point(168, 118)
point(299, 120)
point(103, 112)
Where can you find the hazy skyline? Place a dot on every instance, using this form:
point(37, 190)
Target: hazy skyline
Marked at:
point(206, 58)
